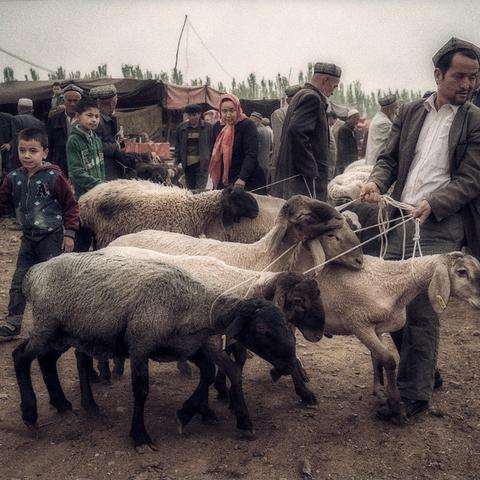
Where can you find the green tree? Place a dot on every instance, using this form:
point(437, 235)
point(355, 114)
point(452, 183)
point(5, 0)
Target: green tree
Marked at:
point(8, 74)
point(59, 74)
point(34, 74)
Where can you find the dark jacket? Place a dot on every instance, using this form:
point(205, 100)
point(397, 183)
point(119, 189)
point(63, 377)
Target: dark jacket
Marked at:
point(244, 163)
point(43, 203)
point(205, 145)
point(304, 145)
point(462, 193)
point(57, 130)
point(20, 122)
point(347, 149)
point(107, 131)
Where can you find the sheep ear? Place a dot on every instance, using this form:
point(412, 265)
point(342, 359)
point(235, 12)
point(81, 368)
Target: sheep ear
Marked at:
point(439, 288)
point(227, 216)
point(317, 252)
point(280, 229)
point(236, 326)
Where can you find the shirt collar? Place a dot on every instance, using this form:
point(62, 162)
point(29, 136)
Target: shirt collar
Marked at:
point(429, 104)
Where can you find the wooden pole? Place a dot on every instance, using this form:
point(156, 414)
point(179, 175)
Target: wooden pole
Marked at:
point(178, 47)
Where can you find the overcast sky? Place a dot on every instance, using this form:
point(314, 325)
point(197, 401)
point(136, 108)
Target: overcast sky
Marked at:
point(383, 43)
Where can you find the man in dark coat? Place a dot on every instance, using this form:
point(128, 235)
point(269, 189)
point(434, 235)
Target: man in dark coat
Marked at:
point(347, 147)
point(193, 147)
point(305, 137)
point(433, 157)
point(116, 162)
point(24, 119)
point(5, 136)
point(59, 126)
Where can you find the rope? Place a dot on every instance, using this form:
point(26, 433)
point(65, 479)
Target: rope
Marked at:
point(273, 183)
point(308, 189)
point(343, 206)
point(354, 248)
point(377, 224)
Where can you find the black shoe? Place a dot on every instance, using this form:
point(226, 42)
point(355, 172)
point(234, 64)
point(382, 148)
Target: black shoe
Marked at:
point(415, 407)
point(7, 330)
point(438, 382)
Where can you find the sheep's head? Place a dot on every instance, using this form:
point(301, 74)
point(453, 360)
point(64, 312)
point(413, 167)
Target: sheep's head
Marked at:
point(456, 275)
point(299, 298)
point(236, 204)
point(154, 172)
point(262, 328)
point(339, 241)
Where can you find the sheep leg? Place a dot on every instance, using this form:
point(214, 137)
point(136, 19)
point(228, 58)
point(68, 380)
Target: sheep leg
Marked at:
point(301, 389)
point(118, 366)
point(198, 401)
point(48, 366)
point(237, 399)
point(91, 371)
point(87, 400)
point(104, 370)
point(220, 386)
point(378, 379)
point(140, 384)
point(23, 362)
point(184, 369)
point(395, 406)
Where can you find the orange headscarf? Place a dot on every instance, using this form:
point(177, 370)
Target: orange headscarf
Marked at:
point(223, 148)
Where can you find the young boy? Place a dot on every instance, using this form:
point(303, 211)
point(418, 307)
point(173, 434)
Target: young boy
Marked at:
point(57, 103)
point(46, 210)
point(86, 167)
point(84, 149)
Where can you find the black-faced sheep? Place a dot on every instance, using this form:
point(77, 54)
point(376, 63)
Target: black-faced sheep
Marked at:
point(120, 207)
point(108, 305)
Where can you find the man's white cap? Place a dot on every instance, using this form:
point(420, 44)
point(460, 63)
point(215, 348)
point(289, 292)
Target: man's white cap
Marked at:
point(25, 102)
point(352, 112)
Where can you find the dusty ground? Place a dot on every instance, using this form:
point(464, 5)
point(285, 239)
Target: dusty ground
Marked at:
point(341, 438)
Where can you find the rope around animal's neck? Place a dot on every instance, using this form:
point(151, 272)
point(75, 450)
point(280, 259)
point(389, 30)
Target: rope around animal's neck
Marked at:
point(274, 183)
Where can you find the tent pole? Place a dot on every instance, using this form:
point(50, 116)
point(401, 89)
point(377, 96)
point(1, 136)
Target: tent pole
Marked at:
point(178, 47)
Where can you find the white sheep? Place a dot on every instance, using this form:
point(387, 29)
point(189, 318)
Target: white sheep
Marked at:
point(107, 305)
point(119, 207)
point(292, 293)
point(306, 229)
point(349, 183)
point(372, 301)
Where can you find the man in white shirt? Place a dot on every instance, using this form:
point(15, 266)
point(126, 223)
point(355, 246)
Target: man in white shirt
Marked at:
point(432, 156)
point(380, 127)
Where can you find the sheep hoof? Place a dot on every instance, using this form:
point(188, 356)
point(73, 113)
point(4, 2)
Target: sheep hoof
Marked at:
point(209, 417)
point(310, 402)
point(33, 429)
point(181, 424)
point(146, 448)
point(248, 435)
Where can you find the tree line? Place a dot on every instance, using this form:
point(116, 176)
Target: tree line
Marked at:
point(351, 94)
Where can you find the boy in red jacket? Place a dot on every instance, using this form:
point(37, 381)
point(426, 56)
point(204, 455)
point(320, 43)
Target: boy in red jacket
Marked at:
point(47, 211)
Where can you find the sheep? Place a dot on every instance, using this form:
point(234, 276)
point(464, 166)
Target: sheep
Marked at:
point(108, 305)
point(297, 295)
point(120, 207)
point(309, 228)
point(349, 183)
point(372, 301)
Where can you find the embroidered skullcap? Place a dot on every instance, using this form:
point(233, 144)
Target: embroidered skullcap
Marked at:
point(292, 90)
point(25, 102)
point(103, 92)
point(73, 88)
point(327, 69)
point(452, 45)
point(387, 100)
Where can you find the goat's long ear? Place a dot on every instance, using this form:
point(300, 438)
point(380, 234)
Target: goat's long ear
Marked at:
point(317, 252)
point(279, 229)
point(439, 288)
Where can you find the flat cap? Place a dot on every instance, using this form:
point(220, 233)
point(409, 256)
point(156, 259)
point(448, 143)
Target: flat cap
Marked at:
point(25, 102)
point(71, 87)
point(103, 92)
point(387, 100)
point(352, 112)
point(452, 45)
point(327, 69)
point(193, 108)
point(292, 90)
point(257, 115)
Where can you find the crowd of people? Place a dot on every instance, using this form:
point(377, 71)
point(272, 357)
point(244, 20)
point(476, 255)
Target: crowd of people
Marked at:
point(427, 151)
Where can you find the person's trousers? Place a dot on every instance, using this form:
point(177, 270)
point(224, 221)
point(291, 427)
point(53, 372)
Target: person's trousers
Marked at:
point(195, 177)
point(418, 341)
point(31, 252)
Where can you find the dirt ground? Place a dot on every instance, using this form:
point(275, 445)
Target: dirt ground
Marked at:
point(341, 439)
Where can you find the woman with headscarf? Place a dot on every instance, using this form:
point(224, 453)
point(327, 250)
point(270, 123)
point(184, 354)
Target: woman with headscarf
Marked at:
point(234, 158)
